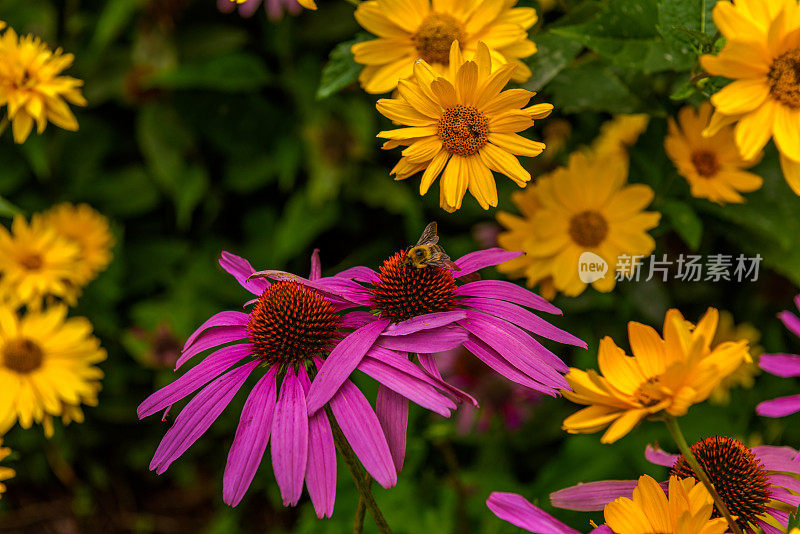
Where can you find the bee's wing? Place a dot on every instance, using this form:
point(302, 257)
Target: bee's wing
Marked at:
point(429, 235)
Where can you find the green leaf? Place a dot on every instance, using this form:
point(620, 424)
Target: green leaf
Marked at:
point(625, 32)
point(7, 209)
point(235, 72)
point(685, 26)
point(685, 222)
point(592, 86)
point(299, 224)
point(554, 54)
point(341, 69)
point(794, 521)
point(113, 20)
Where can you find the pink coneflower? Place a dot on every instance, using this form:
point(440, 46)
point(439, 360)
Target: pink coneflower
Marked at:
point(425, 310)
point(785, 365)
point(291, 329)
point(518, 511)
point(275, 8)
point(757, 485)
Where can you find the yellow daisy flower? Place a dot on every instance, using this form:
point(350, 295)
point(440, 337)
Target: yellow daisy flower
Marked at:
point(36, 263)
point(585, 207)
point(5, 472)
point(712, 165)
point(463, 125)
point(620, 133)
point(47, 366)
point(744, 375)
point(685, 509)
point(84, 227)
point(418, 29)
point(762, 56)
point(663, 375)
point(32, 88)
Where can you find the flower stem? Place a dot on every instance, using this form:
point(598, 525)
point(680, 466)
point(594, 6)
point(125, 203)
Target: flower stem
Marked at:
point(680, 441)
point(358, 522)
point(363, 481)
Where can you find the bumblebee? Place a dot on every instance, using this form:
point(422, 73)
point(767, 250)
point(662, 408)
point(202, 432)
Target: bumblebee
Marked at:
point(427, 252)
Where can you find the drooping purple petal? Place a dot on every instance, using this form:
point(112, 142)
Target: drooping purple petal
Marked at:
point(251, 439)
point(777, 458)
point(791, 322)
point(290, 439)
point(436, 340)
point(479, 259)
point(780, 515)
point(316, 266)
point(241, 269)
point(493, 359)
point(592, 496)
point(424, 322)
point(342, 361)
point(363, 431)
point(785, 365)
point(502, 290)
point(768, 529)
point(346, 289)
point(659, 456)
point(428, 363)
point(784, 496)
point(198, 376)
point(198, 415)
point(357, 319)
point(392, 412)
point(780, 407)
point(211, 338)
point(359, 274)
point(522, 318)
point(223, 318)
point(323, 285)
point(786, 481)
point(519, 512)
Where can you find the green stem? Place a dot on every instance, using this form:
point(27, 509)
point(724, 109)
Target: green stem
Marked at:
point(702, 16)
point(358, 522)
point(363, 481)
point(680, 441)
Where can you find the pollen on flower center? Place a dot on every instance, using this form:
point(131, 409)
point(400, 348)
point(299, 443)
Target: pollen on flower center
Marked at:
point(784, 78)
point(649, 393)
point(435, 35)
point(736, 473)
point(405, 291)
point(705, 163)
point(588, 228)
point(290, 323)
point(463, 130)
point(22, 356)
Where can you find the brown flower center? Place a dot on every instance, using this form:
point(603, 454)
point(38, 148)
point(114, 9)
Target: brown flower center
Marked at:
point(705, 163)
point(463, 130)
point(649, 393)
point(405, 291)
point(784, 78)
point(22, 356)
point(32, 262)
point(290, 323)
point(588, 228)
point(736, 473)
point(434, 37)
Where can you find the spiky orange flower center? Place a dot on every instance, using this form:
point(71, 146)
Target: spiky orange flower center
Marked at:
point(705, 163)
point(588, 228)
point(463, 130)
point(435, 35)
point(736, 473)
point(784, 78)
point(22, 356)
point(290, 323)
point(405, 291)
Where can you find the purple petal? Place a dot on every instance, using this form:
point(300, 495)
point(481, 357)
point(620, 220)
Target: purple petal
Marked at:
point(499, 289)
point(357, 319)
point(360, 274)
point(392, 412)
point(360, 426)
point(428, 363)
point(522, 318)
point(240, 269)
point(493, 359)
point(250, 440)
point(780, 515)
point(780, 364)
point(219, 335)
point(290, 439)
point(791, 322)
point(201, 374)
point(347, 289)
point(226, 6)
point(483, 258)
point(592, 496)
point(198, 415)
point(780, 407)
point(768, 529)
point(785, 481)
point(424, 322)
point(342, 361)
point(784, 496)
point(223, 318)
point(658, 456)
point(777, 458)
point(436, 340)
point(519, 512)
point(316, 266)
